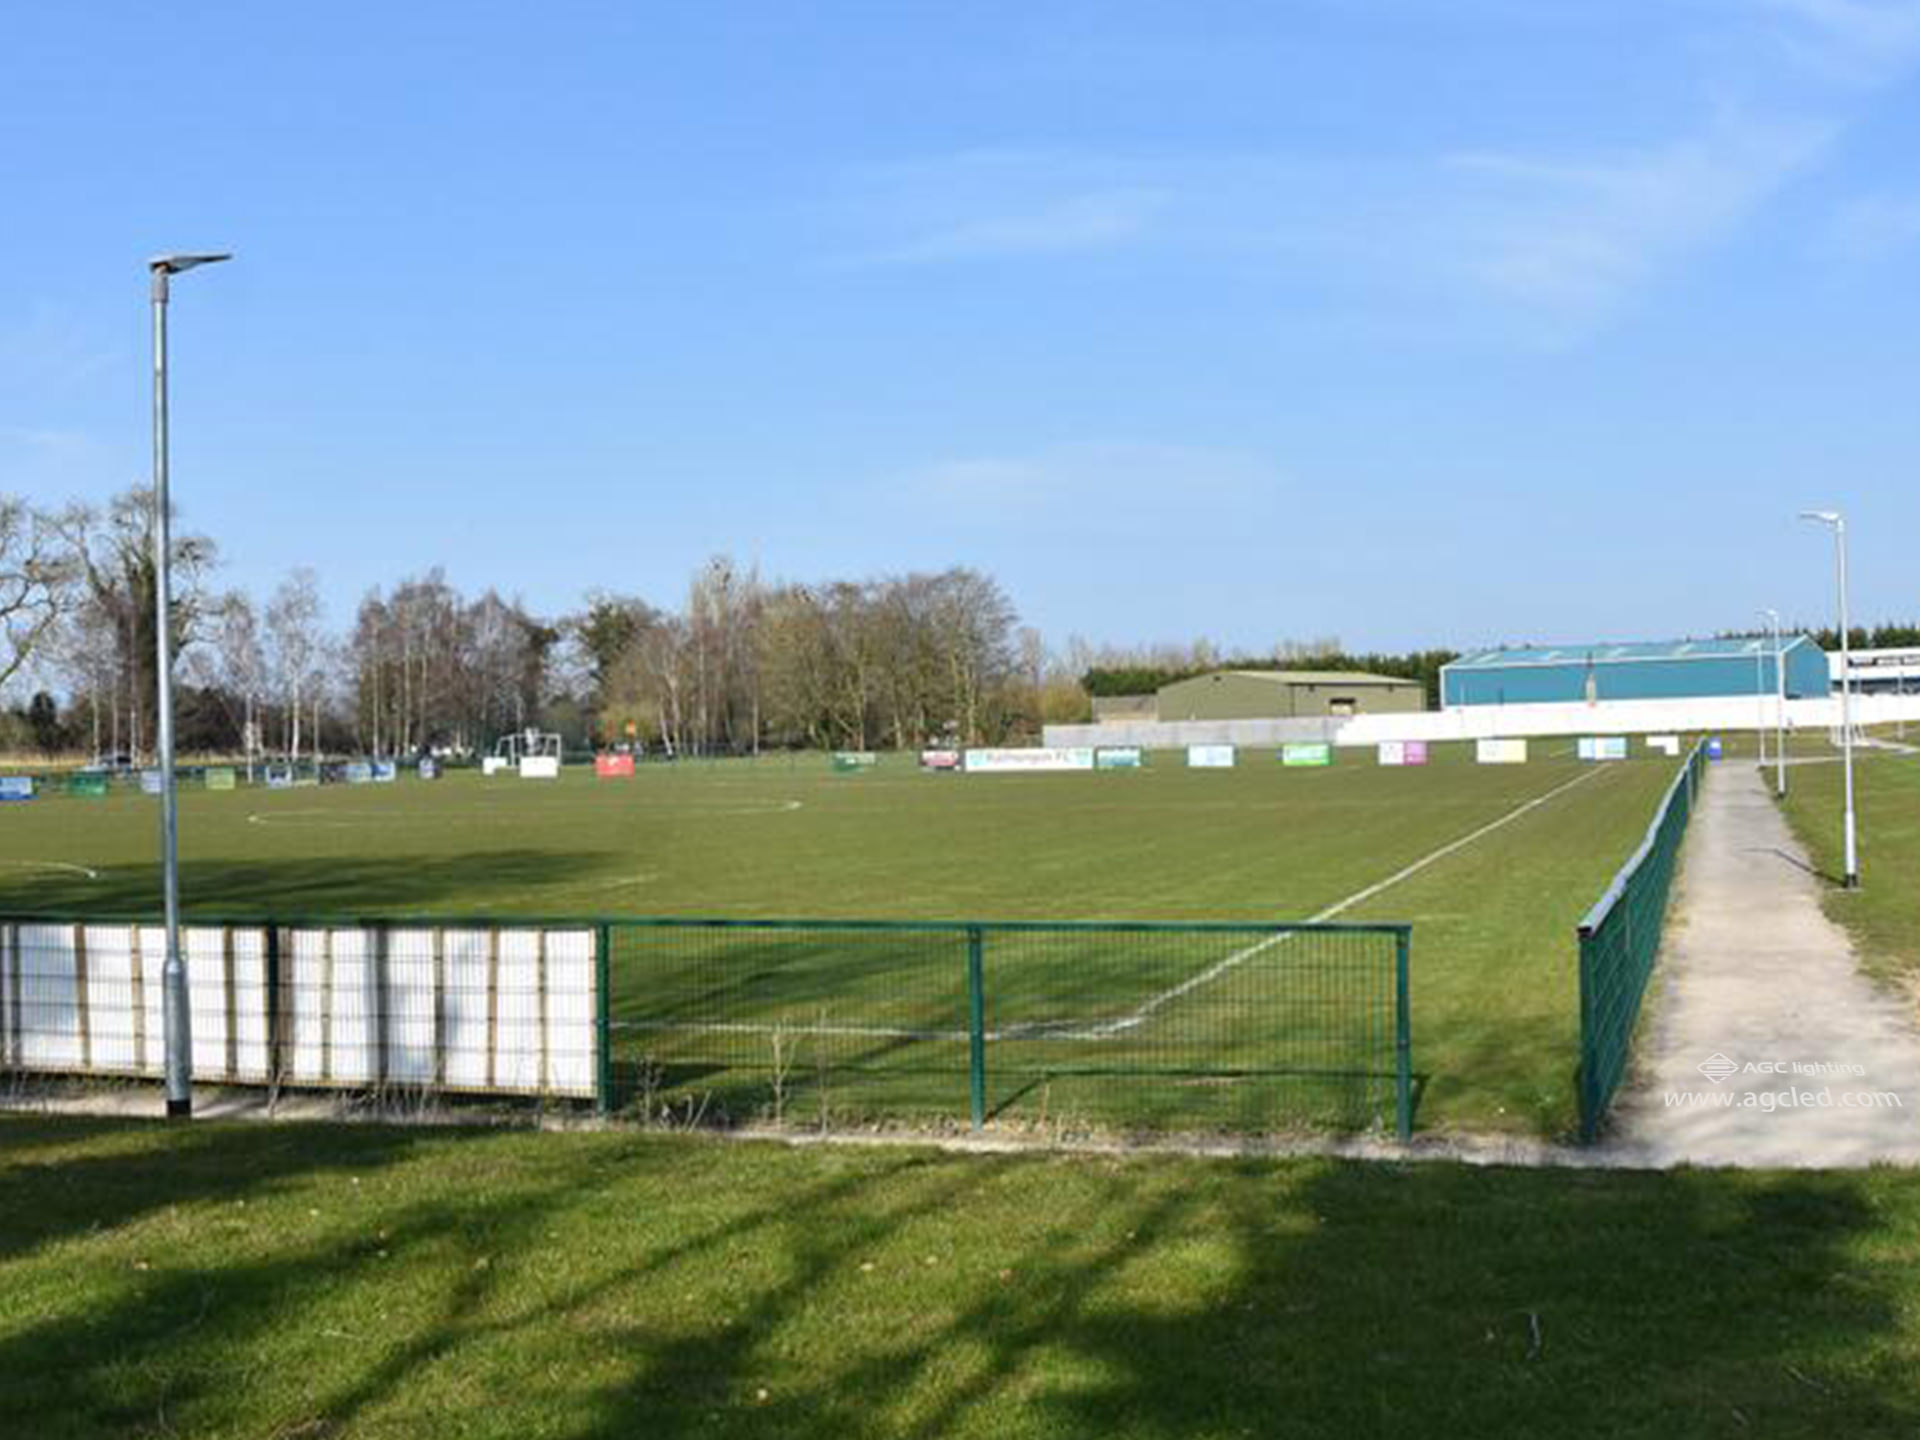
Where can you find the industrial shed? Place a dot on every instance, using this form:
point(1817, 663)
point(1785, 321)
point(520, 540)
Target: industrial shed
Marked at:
point(1286, 695)
point(1669, 670)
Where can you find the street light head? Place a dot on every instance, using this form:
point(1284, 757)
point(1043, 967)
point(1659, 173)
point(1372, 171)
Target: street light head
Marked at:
point(174, 264)
point(1825, 517)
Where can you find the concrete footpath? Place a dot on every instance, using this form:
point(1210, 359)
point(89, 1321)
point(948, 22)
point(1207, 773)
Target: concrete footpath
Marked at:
point(1766, 1046)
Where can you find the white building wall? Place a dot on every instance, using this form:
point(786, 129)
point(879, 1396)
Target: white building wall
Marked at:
point(1474, 722)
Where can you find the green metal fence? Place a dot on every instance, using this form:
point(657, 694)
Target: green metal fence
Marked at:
point(1619, 943)
point(1110, 1026)
point(1106, 1026)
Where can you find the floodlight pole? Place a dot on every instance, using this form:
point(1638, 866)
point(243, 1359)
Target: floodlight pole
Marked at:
point(176, 1015)
point(1837, 522)
point(1779, 704)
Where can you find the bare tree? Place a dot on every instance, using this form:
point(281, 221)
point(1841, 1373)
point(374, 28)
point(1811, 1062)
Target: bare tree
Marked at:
point(36, 582)
point(237, 665)
point(293, 629)
point(112, 556)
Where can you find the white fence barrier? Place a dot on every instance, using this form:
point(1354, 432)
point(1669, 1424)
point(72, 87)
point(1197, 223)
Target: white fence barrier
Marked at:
point(490, 1010)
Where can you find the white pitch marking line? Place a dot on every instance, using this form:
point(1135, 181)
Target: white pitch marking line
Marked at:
point(1339, 907)
point(54, 865)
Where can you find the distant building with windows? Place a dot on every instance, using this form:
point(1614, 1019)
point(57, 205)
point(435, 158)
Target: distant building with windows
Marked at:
point(1880, 672)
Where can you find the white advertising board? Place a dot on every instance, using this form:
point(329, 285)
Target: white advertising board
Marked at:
point(1664, 744)
point(1603, 747)
point(1029, 759)
point(1500, 752)
point(1210, 757)
point(539, 767)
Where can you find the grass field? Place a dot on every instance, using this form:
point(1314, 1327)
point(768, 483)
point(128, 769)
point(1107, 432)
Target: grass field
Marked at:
point(357, 1281)
point(1493, 960)
point(1884, 914)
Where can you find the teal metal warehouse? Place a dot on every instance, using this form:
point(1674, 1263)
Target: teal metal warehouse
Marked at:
point(1673, 670)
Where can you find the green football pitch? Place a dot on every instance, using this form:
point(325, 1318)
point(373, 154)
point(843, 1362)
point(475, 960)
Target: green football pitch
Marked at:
point(1492, 866)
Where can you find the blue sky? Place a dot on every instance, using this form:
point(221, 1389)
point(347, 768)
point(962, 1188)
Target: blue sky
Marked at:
point(1411, 323)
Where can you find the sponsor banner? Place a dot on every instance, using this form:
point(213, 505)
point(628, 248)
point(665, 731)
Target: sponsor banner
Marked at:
point(1664, 744)
point(221, 777)
point(151, 782)
point(1316, 752)
point(1210, 757)
point(428, 769)
point(358, 772)
point(850, 762)
point(939, 759)
point(539, 767)
point(16, 787)
point(385, 772)
point(279, 777)
point(93, 787)
point(1500, 752)
point(613, 767)
point(494, 764)
point(1029, 759)
point(1403, 752)
point(1118, 757)
point(1603, 747)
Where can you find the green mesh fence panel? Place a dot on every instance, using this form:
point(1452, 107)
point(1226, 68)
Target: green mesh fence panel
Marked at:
point(1619, 943)
point(1163, 1027)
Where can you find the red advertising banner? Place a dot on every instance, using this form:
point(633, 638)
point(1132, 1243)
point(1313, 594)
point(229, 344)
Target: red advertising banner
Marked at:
point(613, 767)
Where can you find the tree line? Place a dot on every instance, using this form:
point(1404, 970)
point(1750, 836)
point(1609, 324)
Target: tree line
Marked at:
point(740, 664)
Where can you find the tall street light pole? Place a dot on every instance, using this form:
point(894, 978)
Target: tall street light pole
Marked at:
point(1837, 523)
point(176, 1017)
point(1779, 704)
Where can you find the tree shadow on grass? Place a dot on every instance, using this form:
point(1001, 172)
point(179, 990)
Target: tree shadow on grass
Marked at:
point(1356, 1300)
point(173, 1347)
point(481, 881)
point(621, 1286)
point(118, 1171)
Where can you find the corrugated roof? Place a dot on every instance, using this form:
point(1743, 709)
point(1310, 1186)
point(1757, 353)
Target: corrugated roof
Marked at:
point(1317, 677)
point(1612, 653)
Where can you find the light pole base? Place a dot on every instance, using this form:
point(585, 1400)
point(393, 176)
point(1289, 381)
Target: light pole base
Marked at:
point(1853, 882)
point(180, 1109)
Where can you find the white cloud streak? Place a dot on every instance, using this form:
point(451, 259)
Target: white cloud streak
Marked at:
point(1071, 225)
point(1545, 245)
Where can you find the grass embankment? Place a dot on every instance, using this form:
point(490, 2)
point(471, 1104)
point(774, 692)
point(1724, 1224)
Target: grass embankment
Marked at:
point(1883, 916)
point(257, 1280)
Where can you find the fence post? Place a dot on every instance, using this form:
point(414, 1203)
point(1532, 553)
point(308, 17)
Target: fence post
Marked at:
point(603, 1016)
point(977, 1021)
point(1402, 1035)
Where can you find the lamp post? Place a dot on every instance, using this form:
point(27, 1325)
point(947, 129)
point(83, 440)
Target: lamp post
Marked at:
point(1779, 703)
point(1760, 702)
point(176, 1017)
point(1837, 523)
